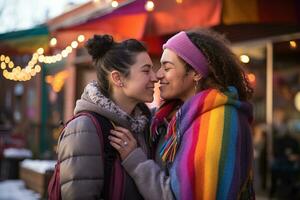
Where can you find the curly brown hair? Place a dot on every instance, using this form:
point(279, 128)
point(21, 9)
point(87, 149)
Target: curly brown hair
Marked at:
point(224, 67)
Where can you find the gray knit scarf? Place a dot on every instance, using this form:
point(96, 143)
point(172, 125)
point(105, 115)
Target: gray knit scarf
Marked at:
point(137, 120)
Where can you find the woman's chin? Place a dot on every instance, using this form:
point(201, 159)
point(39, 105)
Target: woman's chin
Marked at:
point(150, 100)
point(147, 99)
point(165, 96)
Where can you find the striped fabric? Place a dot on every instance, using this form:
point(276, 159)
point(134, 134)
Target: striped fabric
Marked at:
point(209, 142)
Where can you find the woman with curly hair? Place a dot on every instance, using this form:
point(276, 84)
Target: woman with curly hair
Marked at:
point(201, 135)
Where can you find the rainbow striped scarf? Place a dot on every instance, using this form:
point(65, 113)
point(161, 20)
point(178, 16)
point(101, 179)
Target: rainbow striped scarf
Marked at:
point(161, 116)
point(209, 144)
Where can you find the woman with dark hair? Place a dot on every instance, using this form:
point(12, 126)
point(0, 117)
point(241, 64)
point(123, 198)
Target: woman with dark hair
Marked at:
point(201, 135)
point(125, 80)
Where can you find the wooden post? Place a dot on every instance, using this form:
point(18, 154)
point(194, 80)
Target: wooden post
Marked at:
point(269, 108)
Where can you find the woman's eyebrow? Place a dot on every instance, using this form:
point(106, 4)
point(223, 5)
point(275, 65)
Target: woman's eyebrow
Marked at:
point(147, 66)
point(166, 62)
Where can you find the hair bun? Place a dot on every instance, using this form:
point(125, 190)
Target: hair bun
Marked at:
point(99, 45)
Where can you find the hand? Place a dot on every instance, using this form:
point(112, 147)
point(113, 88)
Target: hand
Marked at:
point(123, 141)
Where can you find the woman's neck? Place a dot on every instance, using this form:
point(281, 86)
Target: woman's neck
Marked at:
point(124, 102)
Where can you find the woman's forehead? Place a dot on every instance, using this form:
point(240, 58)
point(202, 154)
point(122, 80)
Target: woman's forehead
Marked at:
point(169, 56)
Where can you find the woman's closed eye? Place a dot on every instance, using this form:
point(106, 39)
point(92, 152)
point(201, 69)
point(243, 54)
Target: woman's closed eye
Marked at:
point(166, 68)
point(146, 71)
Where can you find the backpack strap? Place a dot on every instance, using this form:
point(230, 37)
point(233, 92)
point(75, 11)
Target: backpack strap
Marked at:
point(94, 118)
point(114, 175)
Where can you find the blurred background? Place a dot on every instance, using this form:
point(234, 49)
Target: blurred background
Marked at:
point(44, 68)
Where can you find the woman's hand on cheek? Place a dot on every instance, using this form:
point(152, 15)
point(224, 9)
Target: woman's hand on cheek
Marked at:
point(123, 141)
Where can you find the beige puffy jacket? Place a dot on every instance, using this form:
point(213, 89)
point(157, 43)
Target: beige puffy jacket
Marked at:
point(81, 168)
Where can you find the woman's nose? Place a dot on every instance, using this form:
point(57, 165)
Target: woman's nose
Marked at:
point(153, 77)
point(159, 73)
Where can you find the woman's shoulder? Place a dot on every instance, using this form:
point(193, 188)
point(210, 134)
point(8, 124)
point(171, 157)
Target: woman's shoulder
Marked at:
point(80, 123)
point(88, 123)
point(79, 151)
point(80, 137)
point(83, 124)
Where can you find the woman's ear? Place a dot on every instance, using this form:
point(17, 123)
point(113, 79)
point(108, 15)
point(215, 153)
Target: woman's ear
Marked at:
point(116, 78)
point(197, 76)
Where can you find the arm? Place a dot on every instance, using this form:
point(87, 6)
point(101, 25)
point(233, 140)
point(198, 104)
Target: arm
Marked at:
point(81, 168)
point(150, 179)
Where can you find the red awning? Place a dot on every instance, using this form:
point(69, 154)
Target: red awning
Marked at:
point(131, 26)
point(170, 17)
point(133, 21)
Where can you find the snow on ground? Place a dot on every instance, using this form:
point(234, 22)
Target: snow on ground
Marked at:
point(40, 166)
point(17, 153)
point(15, 190)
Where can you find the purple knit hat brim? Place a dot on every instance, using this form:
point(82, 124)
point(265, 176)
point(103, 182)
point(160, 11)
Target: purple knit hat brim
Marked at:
point(185, 49)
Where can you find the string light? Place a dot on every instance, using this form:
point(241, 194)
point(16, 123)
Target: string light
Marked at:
point(3, 65)
point(74, 44)
point(37, 68)
point(53, 42)
point(244, 59)
point(114, 4)
point(7, 60)
point(80, 38)
point(293, 44)
point(18, 73)
point(10, 64)
point(149, 6)
point(40, 51)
